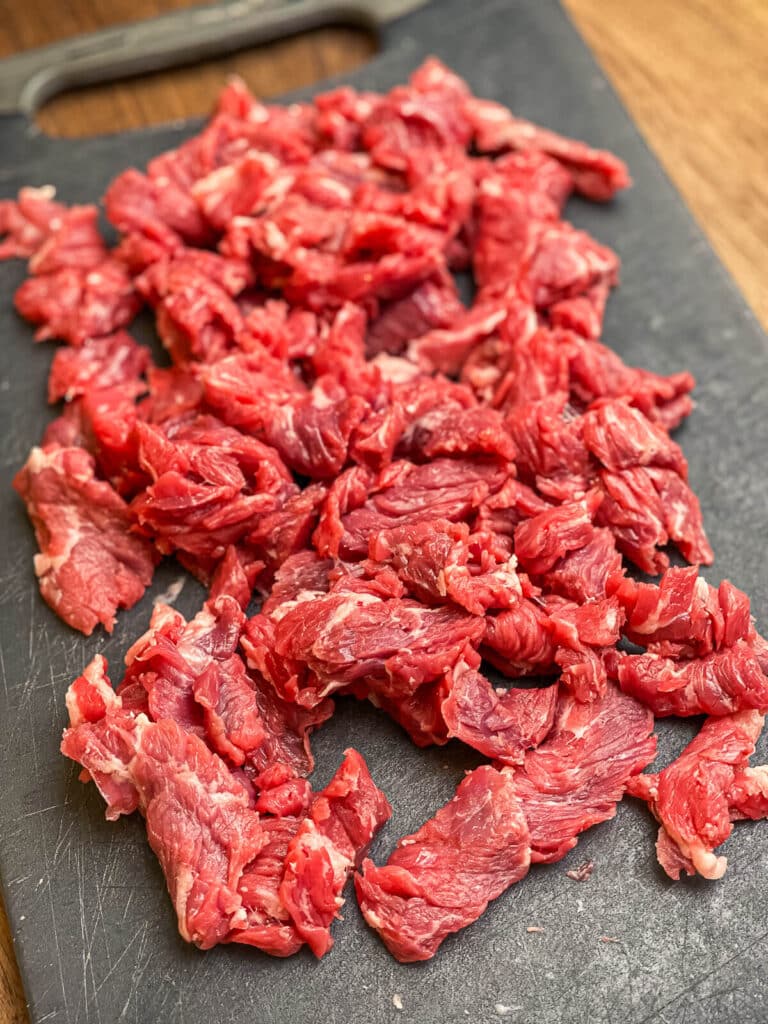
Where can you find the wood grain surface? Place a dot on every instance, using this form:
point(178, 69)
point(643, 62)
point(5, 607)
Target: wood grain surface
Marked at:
point(693, 74)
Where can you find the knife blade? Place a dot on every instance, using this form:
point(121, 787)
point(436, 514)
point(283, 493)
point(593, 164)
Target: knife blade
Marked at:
point(180, 37)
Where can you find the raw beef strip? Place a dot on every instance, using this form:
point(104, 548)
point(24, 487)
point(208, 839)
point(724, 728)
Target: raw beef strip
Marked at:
point(441, 878)
point(546, 538)
point(748, 796)
point(268, 925)
point(518, 639)
point(419, 713)
point(342, 637)
point(683, 616)
point(441, 561)
point(75, 242)
point(584, 575)
point(90, 564)
point(692, 796)
point(235, 576)
point(533, 366)
point(288, 529)
point(539, 635)
point(99, 363)
point(26, 222)
point(433, 304)
point(445, 349)
point(577, 776)
point(75, 303)
point(287, 727)
point(282, 791)
point(244, 389)
point(425, 114)
point(156, 210)
point(211, 484)
point(169, 660)
point(199, 822)
point(358, 504)
point(197, 319)
point(312, 433)
point(732, 679)
point(597, 174)
point(500, 724)
point(330, 842)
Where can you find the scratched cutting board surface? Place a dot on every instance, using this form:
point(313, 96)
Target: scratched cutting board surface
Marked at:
point(94, 929)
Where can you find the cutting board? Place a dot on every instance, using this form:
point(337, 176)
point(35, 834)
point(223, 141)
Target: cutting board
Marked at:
point(94, 930)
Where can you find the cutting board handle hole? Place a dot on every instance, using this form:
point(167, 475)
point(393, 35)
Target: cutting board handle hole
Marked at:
point(186, 92)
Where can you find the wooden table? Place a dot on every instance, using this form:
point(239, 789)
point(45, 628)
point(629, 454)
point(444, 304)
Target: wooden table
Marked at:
point(693, 74)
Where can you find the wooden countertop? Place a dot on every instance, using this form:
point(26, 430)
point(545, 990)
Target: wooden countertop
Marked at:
point(692, 74)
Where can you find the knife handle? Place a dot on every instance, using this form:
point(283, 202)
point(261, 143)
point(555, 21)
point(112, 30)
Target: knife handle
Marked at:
point(29, 78)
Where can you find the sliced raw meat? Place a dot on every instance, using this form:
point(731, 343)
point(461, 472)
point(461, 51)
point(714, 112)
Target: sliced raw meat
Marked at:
point(728, 680)
point(341, 637)
point(440, 561)
point(99, 363)
point(691, 797)
point(330, 842)
point(597, 174)
point(441, 878)
point(199, 821)
point(26, 222)
point(683, 616)
point(90, 564)
point(500, 724)
point(577, 776)
point(75, 303)
point(359, 505)
point(267, 924)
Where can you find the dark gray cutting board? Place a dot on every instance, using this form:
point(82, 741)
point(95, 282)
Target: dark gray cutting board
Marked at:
point(95, 932)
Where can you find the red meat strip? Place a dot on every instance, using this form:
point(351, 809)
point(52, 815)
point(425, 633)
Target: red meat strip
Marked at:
point(235, 576)
point(445, 349)
point(433, 304)
point(74, 242)
point(75, 304)
point(748, 795)
point(26, 222)
point(199, 822)
point(584, 575)
point(540, 542)
point(329, 843)
point(345, 636)
point(538, 635)
point(197, 318)
point(245, 389)
point(90, 564)
point(728, 680)
point(697, 796)
point(191, 673)
point(99, 363)
point(596, 173)
point(211, 484)
point(169, 659)
point(441, 562)
point(358, 504)
point(426, 114)
point(419, 713)
point(683, 616)
point(282, 791)
point(441, 878)
point(499, 724)
point(267, 924)
point(287, 728)
point(576, 777)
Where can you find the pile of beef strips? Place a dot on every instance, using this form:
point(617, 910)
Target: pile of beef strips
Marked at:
point(411, 486)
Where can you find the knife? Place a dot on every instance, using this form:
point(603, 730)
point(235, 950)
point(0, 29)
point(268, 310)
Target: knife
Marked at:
point(29, 78)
